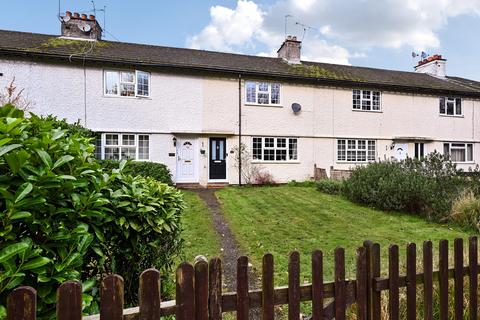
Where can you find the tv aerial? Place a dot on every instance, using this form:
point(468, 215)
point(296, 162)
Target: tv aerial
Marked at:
point(305, 28)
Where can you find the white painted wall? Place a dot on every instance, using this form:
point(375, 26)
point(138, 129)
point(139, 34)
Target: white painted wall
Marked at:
point(209, 106)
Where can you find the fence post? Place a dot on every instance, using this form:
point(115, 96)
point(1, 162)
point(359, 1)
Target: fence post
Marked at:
point(361, 297)
point(268, 302)
point(427, 280)
point(473, 263)
point(69, 301)
point(294, 286)
point(242, 289)
point(373, 271)
point(22, 304)
point(317, 285)
point(411, 281)
point(340, 288)
point(185, 295)
point(458, 274)
point(149, 295)
point(215, 287)
point(443, 279)
point(201, 289)
point(111, 298)
point(393, 275)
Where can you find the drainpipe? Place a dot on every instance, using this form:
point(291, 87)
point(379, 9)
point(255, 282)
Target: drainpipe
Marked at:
point(239, 129)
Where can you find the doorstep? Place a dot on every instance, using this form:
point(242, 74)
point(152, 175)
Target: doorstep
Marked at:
point(189, 185)
point(217, 185)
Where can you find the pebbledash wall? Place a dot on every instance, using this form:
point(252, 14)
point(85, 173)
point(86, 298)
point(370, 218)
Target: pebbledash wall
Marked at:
point(184, 106)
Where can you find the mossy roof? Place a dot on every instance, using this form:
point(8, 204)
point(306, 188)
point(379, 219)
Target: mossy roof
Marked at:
point(13, 43)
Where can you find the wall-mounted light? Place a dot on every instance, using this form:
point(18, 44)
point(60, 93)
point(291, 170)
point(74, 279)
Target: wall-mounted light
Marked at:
point(174, 141)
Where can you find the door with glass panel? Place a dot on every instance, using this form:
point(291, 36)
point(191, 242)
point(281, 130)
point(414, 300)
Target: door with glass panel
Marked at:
point(218, 165)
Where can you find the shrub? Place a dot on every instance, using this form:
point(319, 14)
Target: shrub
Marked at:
point(330, 186)
point(263, 178)
point(306, 183)
point(158, 171)
point(466, 210)
point(426, 187)
point(64, 217)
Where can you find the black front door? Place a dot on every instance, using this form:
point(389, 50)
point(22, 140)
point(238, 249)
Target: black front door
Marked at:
point(218, 166)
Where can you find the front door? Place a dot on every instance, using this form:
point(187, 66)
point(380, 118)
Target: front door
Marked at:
point(218, 165)
point(186, 160)
point(401, 151)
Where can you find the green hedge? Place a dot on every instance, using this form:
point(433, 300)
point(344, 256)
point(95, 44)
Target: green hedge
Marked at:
point(158, 171)
point(330, 186)
point(64, 217)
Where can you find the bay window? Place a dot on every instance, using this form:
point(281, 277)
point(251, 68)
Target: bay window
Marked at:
point(264, 93)
point(126, 83)
point(356, 150)
point(120, 146)
point(274, 149)
point(458, 152)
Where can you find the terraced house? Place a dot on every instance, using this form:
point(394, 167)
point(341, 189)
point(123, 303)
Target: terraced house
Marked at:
point(190, 109)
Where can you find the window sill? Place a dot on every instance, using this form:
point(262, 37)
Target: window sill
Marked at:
point(263, 105)
point(354, 162)
point(367, 111)
point(125, 97)
point(468, 162)
point(451, 116)
point(275, 162)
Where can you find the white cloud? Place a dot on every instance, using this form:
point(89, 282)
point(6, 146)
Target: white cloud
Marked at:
point(342, 27)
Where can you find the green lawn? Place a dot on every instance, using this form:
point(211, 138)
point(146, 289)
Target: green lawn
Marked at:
point(198, 233)
point(281, 219)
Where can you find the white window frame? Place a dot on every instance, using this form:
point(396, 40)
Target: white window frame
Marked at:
point(362, 99)
point(257, 83)
point(368, 156)
point(135, 80)
point(450, 146)
point(275, 147)
point(103, 144)
point(448, 100)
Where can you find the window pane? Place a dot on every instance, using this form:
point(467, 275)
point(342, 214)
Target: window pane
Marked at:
point(128, 139)
point(269, 142)
point(469, 152)
point(292, 149)
point(371, 150)
point(450, 107)
point(111, 82)
point(356, 99)
point(376, 100)
point(275, 93)
point(457, 155)
point(112, 153)
point(263, 98)
point(366, 105)
point(128, 153)
point(111, 139)
point(269, 154)
point(143, 83)
point(257, 148)
point(341, 150)
point(143, 147)
point(251, 92)
point(127, 77)
point(446, 149)
point(442, 105)
point(281, 142)
point(281, 155)
point(127, 90)
point(263, 87)
point(458, 106)
point(98, 146)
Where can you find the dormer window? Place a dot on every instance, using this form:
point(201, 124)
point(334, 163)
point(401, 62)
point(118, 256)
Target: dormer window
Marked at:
point(262, 93)
point(126, 83)
point(450, 106)
point(366, 100)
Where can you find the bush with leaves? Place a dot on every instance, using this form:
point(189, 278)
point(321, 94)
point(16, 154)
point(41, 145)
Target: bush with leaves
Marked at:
point(64, 217)
point(427, 187)
point(330, 186)
point(158, 171)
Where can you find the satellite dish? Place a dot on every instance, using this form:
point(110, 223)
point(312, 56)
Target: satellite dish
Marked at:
point(296, 107)
point(66, 18)
point(85, 27)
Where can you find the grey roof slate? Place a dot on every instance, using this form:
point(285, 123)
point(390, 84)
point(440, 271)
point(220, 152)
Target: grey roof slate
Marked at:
point(31, 45)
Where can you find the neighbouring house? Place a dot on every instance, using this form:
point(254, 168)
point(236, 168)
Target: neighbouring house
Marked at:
point(190, 108)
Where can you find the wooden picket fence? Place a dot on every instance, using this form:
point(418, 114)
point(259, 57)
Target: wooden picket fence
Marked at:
point(199, 289)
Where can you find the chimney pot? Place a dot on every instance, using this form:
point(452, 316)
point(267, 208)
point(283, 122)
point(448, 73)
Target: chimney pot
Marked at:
point(84, 16)
point(92, 17)
point(68, 14)
point(76, 15)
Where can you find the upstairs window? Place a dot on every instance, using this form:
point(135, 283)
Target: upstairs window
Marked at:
point(274, 149)
point(459, 152)
point(450, 106)
point(264, 93)
point(366, 100)
point(118, 146)
point(127, 83)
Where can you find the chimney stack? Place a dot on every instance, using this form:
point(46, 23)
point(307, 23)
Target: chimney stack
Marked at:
point(80, 26)
point(434, 65)
point(290, 50)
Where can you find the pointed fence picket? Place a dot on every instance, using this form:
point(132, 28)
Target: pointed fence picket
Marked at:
point(199, 289)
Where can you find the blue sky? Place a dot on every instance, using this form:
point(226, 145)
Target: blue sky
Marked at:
point(359, 32)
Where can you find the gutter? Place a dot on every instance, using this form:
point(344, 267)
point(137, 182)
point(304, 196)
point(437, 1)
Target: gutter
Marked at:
point(234, 72)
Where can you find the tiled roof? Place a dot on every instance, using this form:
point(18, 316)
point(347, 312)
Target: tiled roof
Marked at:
point(14, 43)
